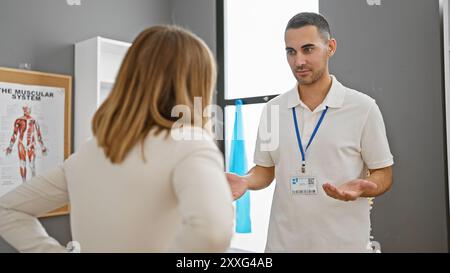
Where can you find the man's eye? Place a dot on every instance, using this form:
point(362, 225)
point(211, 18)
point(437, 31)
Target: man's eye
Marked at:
point(308, 50)
point(290, 52)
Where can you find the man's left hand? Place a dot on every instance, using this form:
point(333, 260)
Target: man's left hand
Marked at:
point(349, 191)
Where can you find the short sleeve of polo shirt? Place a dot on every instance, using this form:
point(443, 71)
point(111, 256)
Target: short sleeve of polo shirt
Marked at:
point(262, 156)
point(374, 143)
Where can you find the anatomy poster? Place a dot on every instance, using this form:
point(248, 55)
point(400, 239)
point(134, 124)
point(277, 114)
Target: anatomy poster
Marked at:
point(31, 132)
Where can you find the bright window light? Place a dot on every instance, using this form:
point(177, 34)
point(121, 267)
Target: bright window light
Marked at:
point(255, 59)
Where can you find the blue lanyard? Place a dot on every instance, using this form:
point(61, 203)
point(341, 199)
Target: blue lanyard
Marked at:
point(299, 139)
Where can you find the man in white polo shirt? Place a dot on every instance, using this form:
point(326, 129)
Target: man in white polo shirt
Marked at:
point(329, 139)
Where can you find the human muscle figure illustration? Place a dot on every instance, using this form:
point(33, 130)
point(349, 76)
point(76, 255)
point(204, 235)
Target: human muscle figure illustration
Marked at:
point(27, 131)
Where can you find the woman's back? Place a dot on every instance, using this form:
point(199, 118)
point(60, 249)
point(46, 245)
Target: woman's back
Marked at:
point(133, 206)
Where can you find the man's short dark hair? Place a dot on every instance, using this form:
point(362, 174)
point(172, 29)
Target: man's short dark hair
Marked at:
point(310, 19)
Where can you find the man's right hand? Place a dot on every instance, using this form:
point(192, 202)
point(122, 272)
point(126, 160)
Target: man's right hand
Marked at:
point(238, 185)
point(8, 150)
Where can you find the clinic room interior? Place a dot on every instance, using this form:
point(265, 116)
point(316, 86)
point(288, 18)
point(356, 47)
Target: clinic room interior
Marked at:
point(256, 126)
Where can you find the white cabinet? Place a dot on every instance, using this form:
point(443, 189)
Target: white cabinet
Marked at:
point(97, 62)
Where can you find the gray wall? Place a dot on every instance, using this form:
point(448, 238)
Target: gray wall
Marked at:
point(393, 53)
point(197, 15)
point(43, 33)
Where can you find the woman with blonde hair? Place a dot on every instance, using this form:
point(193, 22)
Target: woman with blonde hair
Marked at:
point(133, 187)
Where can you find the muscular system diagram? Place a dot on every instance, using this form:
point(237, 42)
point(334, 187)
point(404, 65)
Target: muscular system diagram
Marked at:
point(26, 132)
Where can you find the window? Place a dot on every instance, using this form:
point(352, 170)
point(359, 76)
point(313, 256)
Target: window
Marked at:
point(255, 61)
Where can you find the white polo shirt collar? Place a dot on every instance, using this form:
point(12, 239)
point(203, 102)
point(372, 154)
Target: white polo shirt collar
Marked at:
point(334, 98)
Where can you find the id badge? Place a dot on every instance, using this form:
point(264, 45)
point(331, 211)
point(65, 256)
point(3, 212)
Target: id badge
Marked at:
point(303, 185)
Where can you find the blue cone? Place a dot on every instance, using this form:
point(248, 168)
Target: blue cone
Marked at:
point(238, 165)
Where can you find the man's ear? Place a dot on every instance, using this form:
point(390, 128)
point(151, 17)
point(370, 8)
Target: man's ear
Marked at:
point(331, 47)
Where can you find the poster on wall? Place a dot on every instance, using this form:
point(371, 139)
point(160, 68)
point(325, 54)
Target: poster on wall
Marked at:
point(31, 132)
point(33, 127)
